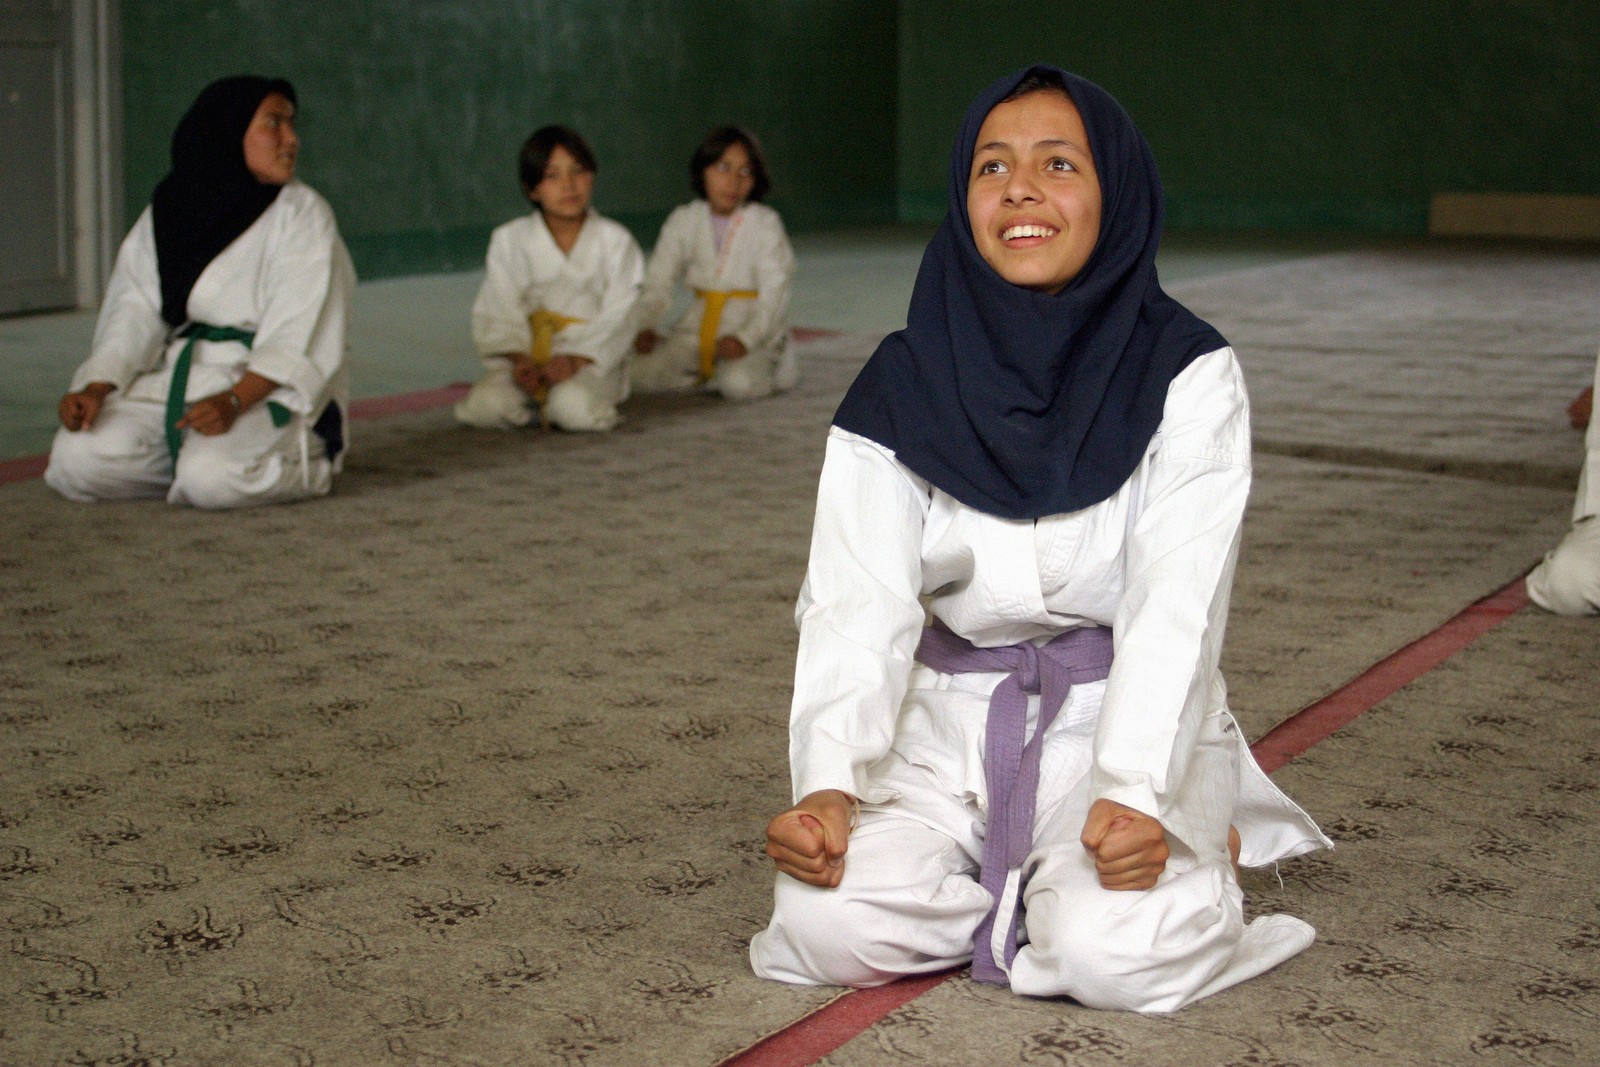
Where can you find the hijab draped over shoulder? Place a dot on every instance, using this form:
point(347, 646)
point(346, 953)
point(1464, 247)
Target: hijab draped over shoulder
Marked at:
point(209, 197)
point(1020, 403)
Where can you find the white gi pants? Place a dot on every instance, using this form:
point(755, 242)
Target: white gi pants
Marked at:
point(585, 402)
point(675, 364)
point(1567, 582)
point(910, 901)
point(124, 456)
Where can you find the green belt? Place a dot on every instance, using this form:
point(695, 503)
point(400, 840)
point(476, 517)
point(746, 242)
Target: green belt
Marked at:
point(176, 405)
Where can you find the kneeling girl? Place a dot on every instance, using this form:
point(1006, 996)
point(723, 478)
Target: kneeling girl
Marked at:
point(1050, 462)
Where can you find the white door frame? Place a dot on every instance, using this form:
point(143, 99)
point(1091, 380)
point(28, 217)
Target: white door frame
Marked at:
point(96, 143)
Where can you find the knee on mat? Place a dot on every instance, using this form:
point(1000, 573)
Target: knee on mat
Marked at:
point(574, 409)
point(80, 470)
point(72, 467)
point(208, 481)
point(494, 410)
point(736, 382)
point(816, 936)
point(1125, 951)
point(1568, 581)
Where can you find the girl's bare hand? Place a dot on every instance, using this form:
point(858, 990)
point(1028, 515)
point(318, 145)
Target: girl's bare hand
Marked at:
point(1129, 847)
point(809, 840)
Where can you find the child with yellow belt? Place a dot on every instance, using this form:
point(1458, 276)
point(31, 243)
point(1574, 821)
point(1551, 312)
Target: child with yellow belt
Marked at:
point(555, 312)
point(731, 251)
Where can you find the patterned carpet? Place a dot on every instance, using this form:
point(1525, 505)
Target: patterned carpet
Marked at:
point(469, 762)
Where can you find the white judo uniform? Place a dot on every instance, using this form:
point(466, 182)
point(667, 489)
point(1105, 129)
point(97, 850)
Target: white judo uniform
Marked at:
point(597, 282)
point(287, 279)
point(1155, 562)
point(755, 262)
point(1567, 581)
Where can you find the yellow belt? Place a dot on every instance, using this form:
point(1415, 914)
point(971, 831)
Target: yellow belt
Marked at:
point(545, 325)
point(711, 319)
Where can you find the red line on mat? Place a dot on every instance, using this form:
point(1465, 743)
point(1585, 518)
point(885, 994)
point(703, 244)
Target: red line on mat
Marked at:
point(828, 1028)
point(1317, 721)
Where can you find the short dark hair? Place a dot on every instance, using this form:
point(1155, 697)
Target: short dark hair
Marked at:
point(536, 151)
point(1039, 81)
point(710, 149)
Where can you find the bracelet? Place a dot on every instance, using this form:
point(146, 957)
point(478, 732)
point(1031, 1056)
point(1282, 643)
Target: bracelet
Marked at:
point(855, 812)
point(238, 403)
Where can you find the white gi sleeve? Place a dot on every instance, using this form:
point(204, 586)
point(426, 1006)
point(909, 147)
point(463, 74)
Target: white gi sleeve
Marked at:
point(774, 269)
point(669, 260)
point(1587, 501)
point(499, 323)
point(859, 616)
point(130, 334)
point(305, 282)
point(1180, 551)
point(607, 338)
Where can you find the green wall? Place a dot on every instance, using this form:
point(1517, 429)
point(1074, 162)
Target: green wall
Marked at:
point(412, 113)
point(1263, 113)
point(1287, 113)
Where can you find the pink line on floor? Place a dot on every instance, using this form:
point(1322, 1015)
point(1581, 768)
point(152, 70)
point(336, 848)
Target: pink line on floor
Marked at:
point(377, 407)
point(25, 467)
point(21, 469)
point(806, 333)
point(814, 1036)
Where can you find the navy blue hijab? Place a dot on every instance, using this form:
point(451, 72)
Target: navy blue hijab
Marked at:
point(209, 197)
point(1021, 403)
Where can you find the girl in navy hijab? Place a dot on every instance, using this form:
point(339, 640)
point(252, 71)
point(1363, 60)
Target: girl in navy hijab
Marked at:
point(1010, 742)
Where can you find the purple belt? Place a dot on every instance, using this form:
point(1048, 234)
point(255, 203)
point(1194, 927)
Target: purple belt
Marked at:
point(1047, 671)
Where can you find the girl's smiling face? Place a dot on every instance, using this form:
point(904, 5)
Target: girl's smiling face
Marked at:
point(564, 192)
point(729, 180)
point(1033, 196)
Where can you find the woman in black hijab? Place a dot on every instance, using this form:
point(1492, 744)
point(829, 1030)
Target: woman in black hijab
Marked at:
point(217, 377)
point(1051, 461)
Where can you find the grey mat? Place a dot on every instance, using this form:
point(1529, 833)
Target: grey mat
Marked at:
point(468, 763)
point(1453, 358)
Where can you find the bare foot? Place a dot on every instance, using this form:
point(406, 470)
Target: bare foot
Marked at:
point(1234, 845)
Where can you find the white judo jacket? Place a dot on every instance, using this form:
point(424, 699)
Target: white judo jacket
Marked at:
point(287, 279)
point(526, 271)
point(755, 256)
point(1154, 562)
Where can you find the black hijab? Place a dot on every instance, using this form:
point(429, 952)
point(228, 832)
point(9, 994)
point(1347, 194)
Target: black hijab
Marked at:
point(209, 197)
point(1020, 403)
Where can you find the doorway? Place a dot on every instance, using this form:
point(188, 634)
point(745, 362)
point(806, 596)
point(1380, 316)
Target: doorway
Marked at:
point(60, 152)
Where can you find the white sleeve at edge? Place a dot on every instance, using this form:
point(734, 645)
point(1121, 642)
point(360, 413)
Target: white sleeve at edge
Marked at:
point(499, 325)
point(129, 334)
point(859, 615)
point(1180, 556)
